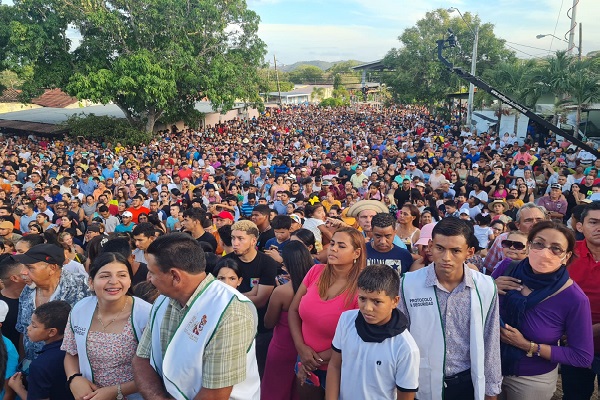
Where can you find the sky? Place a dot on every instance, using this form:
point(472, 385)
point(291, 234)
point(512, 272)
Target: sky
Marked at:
point(365, 30)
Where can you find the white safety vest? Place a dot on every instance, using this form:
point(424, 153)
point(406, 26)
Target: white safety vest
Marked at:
point(426, 328)
point(181, 365)
point(81, 320)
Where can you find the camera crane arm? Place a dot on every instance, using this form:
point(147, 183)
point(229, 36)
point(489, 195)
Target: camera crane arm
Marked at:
point(451, 41)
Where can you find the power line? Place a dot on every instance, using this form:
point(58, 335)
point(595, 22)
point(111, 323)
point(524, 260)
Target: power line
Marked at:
point(556, 25)
point(523, 45)
point(521, 51)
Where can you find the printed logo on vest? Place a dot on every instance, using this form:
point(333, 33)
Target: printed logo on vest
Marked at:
point(78, 330)
point(194, 327)
point(421, 302)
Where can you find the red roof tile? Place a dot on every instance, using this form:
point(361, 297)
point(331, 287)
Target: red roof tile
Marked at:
point(10, 96)
point(54, 98)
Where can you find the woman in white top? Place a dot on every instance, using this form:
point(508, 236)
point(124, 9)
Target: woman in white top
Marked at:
point(436, 178)
point(408, 225)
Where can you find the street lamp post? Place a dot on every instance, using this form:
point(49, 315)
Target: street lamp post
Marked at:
point(563, 40)
point(475, 32)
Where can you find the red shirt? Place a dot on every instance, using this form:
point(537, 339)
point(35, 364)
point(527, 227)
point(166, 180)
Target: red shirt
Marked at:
point(585, 271)
point(136, 213)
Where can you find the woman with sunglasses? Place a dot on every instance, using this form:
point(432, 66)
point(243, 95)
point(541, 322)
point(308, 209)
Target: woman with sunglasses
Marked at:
point(514, 249)
point(541, 305)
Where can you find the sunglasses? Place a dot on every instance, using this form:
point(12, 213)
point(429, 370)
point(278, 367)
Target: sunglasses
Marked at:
point(556, 250)
point(511, 244)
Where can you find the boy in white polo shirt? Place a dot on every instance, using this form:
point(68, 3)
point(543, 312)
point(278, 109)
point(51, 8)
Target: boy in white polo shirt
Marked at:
point(374, 356)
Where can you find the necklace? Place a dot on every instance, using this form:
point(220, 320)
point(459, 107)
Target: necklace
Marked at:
point(99, 318)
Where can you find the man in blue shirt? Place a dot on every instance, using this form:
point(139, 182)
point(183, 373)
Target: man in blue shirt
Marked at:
point(109, 171)
point(86, 185)
point(381, 248)
point(281, 205)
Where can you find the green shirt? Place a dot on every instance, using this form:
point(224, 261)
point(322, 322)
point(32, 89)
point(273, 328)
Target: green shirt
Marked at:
point(224, 360)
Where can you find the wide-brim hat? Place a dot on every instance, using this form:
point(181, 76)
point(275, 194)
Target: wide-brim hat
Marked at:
point(491, 205)
point(363, 205)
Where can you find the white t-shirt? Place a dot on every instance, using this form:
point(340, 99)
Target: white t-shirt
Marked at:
point(482, 233)
point(373, 370)
point(76, 268)
point(312, 224)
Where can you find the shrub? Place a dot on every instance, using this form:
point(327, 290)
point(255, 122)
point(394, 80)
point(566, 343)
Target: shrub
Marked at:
point(105, 129)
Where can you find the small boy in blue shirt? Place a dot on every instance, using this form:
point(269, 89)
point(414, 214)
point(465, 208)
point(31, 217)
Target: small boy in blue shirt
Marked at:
point(281, 225)
point(47, 379)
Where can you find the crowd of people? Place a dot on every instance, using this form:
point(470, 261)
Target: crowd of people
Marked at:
point(308, 253)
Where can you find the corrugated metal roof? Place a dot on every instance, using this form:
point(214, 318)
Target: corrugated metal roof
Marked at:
point(29, 126)
point(48, 115)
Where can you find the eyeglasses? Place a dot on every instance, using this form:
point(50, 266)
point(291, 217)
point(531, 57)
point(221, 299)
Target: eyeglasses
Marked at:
point(556, 250)
point(511, 244)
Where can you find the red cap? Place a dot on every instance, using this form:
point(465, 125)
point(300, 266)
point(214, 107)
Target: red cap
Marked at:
point(224, 215)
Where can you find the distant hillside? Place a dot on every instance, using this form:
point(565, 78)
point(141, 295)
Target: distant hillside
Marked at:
point(324, 65)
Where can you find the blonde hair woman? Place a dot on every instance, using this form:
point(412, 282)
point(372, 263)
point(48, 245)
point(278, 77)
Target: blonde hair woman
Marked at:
point(326, 291)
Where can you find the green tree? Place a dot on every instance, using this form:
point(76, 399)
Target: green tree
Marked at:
point(38, 48)
point(520, 79)
point(153, 58)
point(306, 74)
point(417, 74)
point(317, 93)
point(268, 81)
point(10, 79)
point(337, 81)
point(582, 86)
point(555, 76)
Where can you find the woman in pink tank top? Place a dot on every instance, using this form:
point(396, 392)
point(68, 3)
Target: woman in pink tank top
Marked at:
point(326, 292)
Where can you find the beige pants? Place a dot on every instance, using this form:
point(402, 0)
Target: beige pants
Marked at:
point(538, 387)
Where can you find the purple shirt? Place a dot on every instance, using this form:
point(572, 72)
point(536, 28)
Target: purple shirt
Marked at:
point(559, 206)
point(568, 313)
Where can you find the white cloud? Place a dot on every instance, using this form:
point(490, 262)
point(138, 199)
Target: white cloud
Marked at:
point(383, 21)
point(292, 43)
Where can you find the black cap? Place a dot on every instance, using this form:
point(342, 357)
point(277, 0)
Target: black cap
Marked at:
point(47, 253)
point(94, 227)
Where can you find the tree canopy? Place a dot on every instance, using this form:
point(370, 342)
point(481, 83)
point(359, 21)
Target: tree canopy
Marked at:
point(153, 58)
point(418, 76)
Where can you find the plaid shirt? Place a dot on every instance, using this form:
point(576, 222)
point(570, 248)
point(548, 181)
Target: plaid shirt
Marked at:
point(224, 359)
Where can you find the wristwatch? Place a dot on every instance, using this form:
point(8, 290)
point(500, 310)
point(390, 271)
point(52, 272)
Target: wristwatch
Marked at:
point(119, 393)
point(531, 349)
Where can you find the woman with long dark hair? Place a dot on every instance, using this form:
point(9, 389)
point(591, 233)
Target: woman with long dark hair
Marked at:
point(278, 381)
point(109, 326)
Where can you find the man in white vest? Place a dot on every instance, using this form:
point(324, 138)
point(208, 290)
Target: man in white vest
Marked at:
point(199, 343)
point(453, 317)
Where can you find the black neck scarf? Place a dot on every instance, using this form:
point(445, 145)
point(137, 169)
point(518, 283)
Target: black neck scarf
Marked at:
point(376, 333)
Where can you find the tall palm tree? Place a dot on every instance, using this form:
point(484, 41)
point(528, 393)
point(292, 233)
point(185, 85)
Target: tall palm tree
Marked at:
point(582, 87)
point(519, 79)
point(317, 94)
point(555, 76)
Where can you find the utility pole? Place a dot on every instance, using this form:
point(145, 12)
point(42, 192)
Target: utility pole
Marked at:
point(573, 27)
point(475, 31)
point(580, 39)
point(277, 78)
